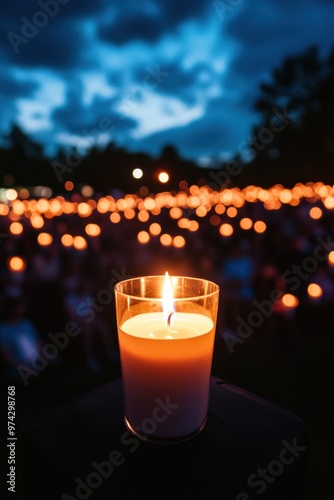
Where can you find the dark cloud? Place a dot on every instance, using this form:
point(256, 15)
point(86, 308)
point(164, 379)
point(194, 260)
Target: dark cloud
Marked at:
point(57, 45)
point(11, 87)
point(216, 132)
point(149, 21)
point(45, 34)
point(185, 84)
point(75, 117)
point(135, 27)
point(267, 32)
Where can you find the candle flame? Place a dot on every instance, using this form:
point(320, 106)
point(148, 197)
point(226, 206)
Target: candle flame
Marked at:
point(167, 301)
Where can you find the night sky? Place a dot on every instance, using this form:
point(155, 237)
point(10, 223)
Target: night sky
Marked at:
point(149, 73)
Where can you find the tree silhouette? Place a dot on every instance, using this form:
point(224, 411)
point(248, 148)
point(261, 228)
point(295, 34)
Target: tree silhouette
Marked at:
point(301, 92)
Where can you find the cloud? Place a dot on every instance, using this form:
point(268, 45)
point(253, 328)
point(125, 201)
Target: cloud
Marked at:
point(266, 32)
point(76, 118)
point(149, 20)
point(216, 133)
point(11, 87)
point(46, 34)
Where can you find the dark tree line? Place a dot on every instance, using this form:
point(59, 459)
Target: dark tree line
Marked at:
point(302, 91)
point(293, 141)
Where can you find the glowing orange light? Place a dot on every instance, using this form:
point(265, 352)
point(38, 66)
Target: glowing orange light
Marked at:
point(93, 230)
point(143, 216)
point(42, 205)
point(68, 207)
point(149, 204)
point(69, 186)
point(285, 196)
point(231, 212)
point(115, 217)
point(102, 205)
point(260, 226)
point(16, 228)
point(36, 221)
point(143, 237)
point(84, 210)
point(67, 240)
point(220, 208)
point(129, 213)
point(55, 207)
point(155, 229)
point(314, 290)
point(13, 216)
point(16, 264)
point(163, 177)
point(226, 229)
point(79, 243)
point(18, 207)
point(175, 213)
point(87, 191)
point(290, 300)
point(166, 240)
point(331, 258)
point(4, 209)
point(179, 242)
point(193, 225)
point(329, 202)
point(246, 223)
point(44, 239)
point(201, 211)
point(315, 213)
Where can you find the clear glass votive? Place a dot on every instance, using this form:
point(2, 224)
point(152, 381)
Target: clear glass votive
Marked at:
point(166, 341)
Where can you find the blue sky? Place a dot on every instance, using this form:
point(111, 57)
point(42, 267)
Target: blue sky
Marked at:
point(149, 73)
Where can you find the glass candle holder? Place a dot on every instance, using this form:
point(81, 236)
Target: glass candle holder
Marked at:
point(166, 331)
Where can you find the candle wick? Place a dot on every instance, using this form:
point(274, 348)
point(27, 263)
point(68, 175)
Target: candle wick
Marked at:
point(169, 319)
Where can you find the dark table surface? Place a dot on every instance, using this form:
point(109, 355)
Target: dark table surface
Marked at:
point(249, 449)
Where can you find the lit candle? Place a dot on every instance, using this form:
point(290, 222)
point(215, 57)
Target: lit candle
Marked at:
point(166, 360)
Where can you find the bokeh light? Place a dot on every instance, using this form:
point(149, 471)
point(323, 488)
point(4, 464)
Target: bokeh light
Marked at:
point(226, 229)
point(163, 177)
point(137, 173)
point(44, 239)
point(143, 237)
point(260, 226)
point(79, 243)
point(16, 264)
point(290, 300)
point(314, 290)
point(93, 230)
point(16, 228)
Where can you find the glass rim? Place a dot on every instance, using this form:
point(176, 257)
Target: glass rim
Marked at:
point(162, 276)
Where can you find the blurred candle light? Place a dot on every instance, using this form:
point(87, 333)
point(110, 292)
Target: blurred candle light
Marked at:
point(16, 228)
point(93, 230)
point(314, 291)
point(289, 300)
point(163, 177)
point(16, 264)
point(67, 240)
point(44, 239)
point(79, 243)
point(137, 173)
point(331, 258)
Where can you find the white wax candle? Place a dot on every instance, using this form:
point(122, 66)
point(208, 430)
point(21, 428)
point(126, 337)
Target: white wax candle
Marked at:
point(170, 364)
